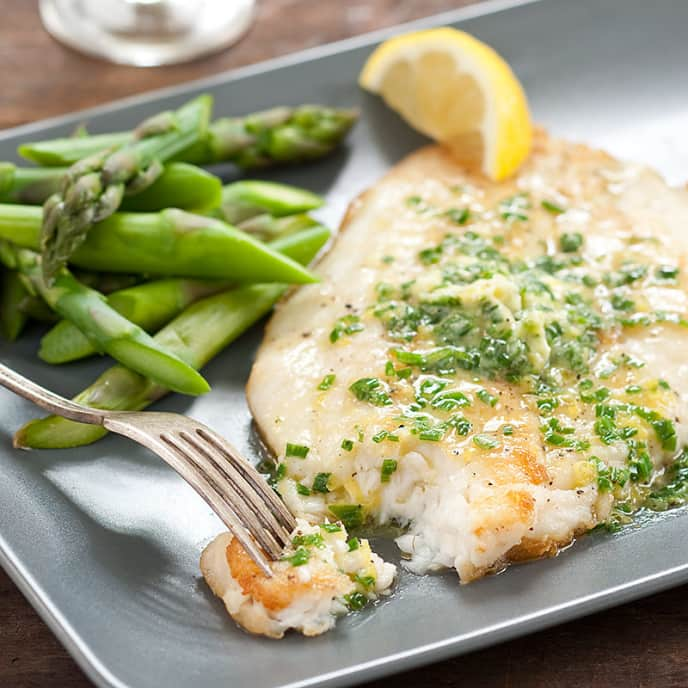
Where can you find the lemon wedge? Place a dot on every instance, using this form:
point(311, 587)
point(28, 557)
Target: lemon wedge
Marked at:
point(457, 90)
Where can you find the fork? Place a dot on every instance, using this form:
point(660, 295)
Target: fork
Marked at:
point(232, 487)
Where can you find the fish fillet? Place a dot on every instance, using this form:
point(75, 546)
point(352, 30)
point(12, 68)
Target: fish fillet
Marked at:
point(493, 367)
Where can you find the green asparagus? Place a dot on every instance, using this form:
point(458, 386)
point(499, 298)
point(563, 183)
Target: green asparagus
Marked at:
point(107, 330)
point(93, 188)
point(277, 136)
point(107, 282)
point(245, 199)
point(152, 305)
point(37, 309)
point(12, 317)
point(31, 185)
point(197, 335)
point(280, 135)
point(179, 186)
point(149, 306)
point(266, 227)
point(171, 243)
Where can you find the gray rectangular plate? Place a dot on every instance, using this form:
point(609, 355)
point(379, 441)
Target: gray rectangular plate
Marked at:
point(104, 541)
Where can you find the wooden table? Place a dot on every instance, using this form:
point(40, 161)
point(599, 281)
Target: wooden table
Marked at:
point(638, 645)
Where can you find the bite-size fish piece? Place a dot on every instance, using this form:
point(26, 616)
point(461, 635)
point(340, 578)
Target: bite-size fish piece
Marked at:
point(324, 574)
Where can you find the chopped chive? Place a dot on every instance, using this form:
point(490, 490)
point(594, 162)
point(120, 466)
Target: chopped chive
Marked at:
point(331, 527)
point(351, 515)
point(356, 601)
point(667, 272)
point(298, 450)
point(327, 382)
point(353, 543)
point(347, 445)
point(389, 466)
point(508, 429)
point(487, 398)
point(570, 242)
point(320, 483)
point(372, 390)
point(299, 558)
point(485, 441)
point(552, 207)
point(365, 581)
point(384, 435)
point(458, 216)
point(347, 325)
point(302, 490)
point(310, 540)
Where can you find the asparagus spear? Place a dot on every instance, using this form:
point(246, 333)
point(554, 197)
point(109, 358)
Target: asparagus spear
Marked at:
point(37, 309)
point(70, 149)
point(266, 227)
point(276, 136)
point(149, 306)
point(93, 188)
point(171, 243)
point(107, 282)
point(280, 135)
point(197, 335)
point(246, 199)
point(107, 330)
point(12, 292)
point(179, 186)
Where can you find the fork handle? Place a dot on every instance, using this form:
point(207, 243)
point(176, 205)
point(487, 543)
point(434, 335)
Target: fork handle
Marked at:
point(48, 400)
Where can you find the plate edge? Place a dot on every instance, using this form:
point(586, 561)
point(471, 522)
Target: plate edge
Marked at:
point(478, 9)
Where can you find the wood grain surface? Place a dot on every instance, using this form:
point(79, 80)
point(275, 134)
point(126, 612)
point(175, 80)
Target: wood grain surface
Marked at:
point(639, 645)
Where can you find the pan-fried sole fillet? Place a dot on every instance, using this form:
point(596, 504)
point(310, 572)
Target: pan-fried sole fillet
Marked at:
point(495, 367)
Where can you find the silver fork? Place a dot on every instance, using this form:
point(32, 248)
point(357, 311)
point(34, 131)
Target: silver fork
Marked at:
point(231, 486)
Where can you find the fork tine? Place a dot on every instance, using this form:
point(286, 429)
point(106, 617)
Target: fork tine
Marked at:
point(251, 506)
point(225, 492)
point(257, 481)
point(179, 460)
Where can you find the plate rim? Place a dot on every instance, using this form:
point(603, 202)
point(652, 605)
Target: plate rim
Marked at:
point(78, 648)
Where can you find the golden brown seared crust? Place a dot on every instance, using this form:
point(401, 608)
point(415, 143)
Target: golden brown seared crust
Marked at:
point(282, 588)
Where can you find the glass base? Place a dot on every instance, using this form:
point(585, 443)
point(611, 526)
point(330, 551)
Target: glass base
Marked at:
point(147, 33)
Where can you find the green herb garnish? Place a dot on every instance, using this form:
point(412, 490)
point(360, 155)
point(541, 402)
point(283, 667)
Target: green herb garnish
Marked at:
point(327, 382)
point(331, 527)
point(485, 441)
point(351, 515)
point(487, 398)
point(298, 450)
point(347, 325)
point(552, 207)
point(310, 540)
point(356, 601)
point(371, 390)
point(389, 466)
point(570, 242)
point(320, 483)
point(299, 558)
